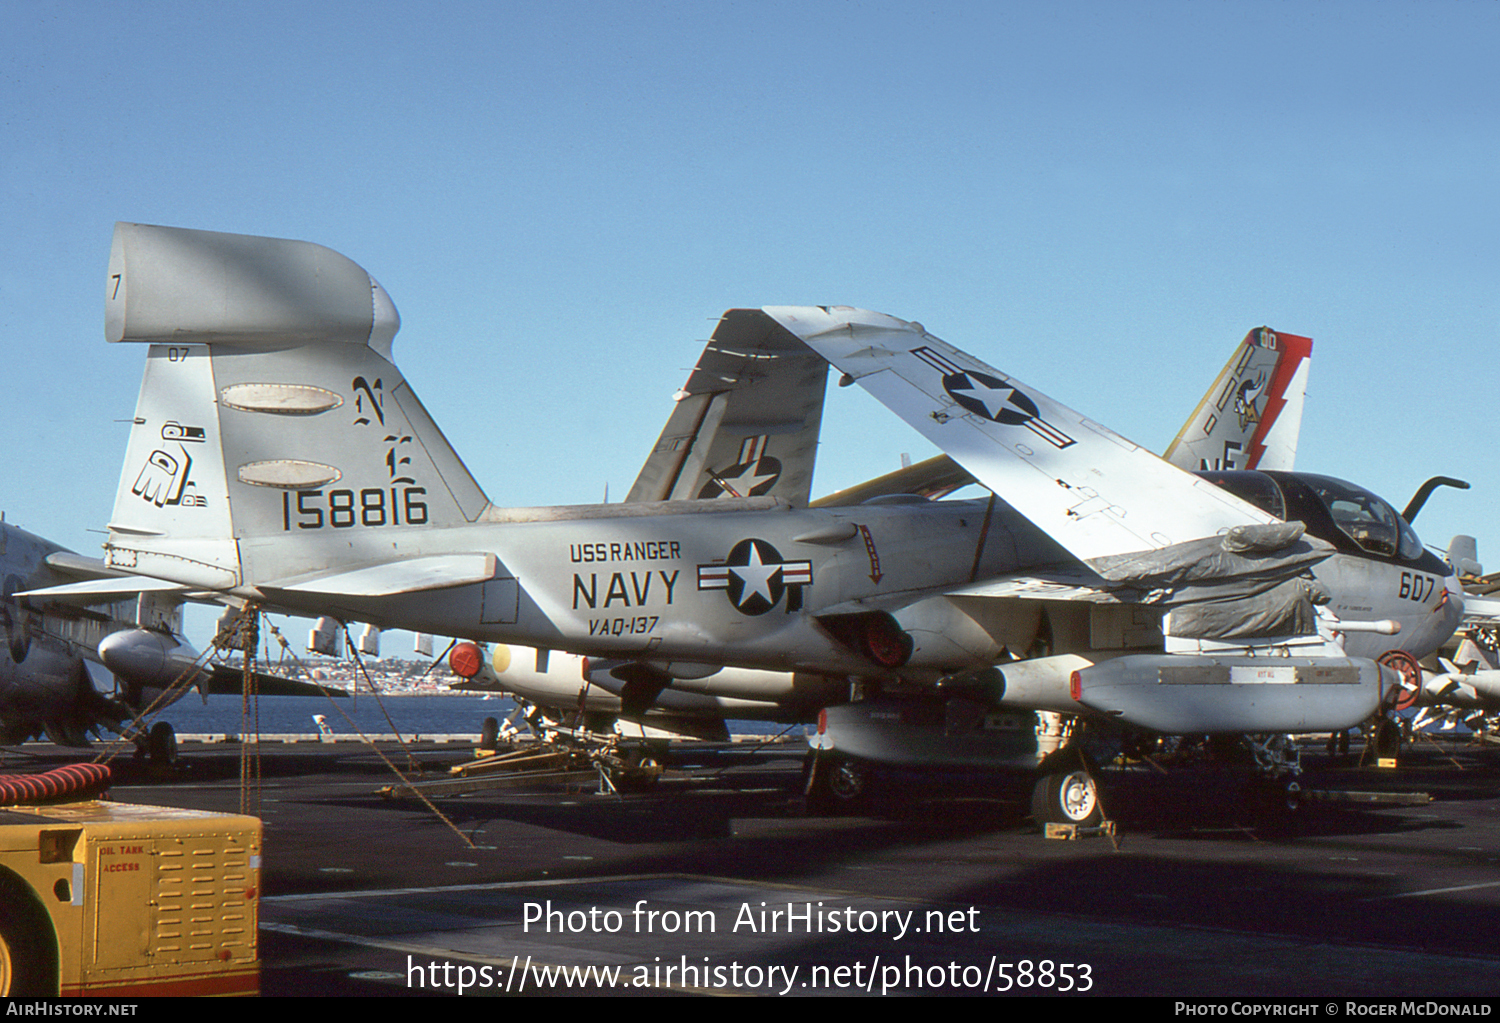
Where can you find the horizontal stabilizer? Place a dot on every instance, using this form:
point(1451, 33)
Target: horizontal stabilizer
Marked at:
point(101, 591)
point(69, 563)
point(228, 680)
point(409, 575)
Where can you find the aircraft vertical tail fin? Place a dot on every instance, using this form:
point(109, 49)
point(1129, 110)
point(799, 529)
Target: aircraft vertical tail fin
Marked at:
point(1251, 416)
point(746, 422)
point(271, 417)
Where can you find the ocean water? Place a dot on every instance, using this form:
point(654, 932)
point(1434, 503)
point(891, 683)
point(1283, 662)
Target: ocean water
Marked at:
point(420, 715)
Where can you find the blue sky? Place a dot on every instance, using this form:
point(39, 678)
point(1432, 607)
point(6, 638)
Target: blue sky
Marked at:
point(561, 197)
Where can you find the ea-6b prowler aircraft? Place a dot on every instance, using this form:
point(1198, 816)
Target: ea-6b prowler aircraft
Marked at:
point(54, 679)
point(94, 655)
point(278, 456)
point(748, 419)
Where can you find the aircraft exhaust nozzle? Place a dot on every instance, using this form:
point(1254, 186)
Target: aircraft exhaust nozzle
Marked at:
point(1179, 694)
point(147, 658)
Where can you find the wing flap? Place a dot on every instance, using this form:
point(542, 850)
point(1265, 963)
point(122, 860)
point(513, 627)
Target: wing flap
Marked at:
point(1063, 584)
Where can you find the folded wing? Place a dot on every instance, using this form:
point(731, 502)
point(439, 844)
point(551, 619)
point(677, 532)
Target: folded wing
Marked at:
point(1094, 492)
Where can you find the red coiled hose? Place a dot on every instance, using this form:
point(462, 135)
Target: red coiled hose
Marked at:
point(60, 781)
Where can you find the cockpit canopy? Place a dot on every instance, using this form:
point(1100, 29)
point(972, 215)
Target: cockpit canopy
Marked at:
point(1347, 516)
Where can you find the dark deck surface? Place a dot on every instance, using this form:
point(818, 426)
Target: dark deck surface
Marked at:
point(1208, 894)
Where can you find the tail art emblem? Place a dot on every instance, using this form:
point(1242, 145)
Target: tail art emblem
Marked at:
point(755, 577)
point(1245, 398)
point(164, 477)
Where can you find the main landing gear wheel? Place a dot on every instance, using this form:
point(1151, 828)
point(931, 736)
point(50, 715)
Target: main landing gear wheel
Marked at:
point(1067, 797)
point(1386, 739)
point(837, 784)
point(161, 745)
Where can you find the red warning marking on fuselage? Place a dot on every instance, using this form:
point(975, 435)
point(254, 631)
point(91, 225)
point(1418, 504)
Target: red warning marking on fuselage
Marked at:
point(875, 573)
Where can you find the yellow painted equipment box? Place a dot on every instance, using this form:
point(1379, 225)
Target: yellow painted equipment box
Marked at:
point(115, 900)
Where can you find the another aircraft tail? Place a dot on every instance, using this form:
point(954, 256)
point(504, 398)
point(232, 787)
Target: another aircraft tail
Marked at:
point(1251, 416)
point(271, 418)
point(746, 422)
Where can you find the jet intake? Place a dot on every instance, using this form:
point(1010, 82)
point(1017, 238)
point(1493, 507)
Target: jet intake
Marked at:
point(874, 635)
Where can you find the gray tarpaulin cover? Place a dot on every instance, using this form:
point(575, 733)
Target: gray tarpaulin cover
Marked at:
point(1249, 582)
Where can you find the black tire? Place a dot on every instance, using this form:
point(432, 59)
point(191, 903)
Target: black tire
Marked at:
point(638, 770)
point(1386, 739)
point(1069, 796)
point(161, 744)
point(838, 785)
point(28, 946)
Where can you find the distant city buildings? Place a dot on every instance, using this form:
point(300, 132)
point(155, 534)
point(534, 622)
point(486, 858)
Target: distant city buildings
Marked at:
point(390, 675)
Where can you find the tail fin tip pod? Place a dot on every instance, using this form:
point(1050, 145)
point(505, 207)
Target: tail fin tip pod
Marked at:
point(175, 285)
point(270, 409)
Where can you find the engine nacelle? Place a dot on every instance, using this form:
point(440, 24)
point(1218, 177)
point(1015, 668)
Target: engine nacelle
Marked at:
point(942, 636)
